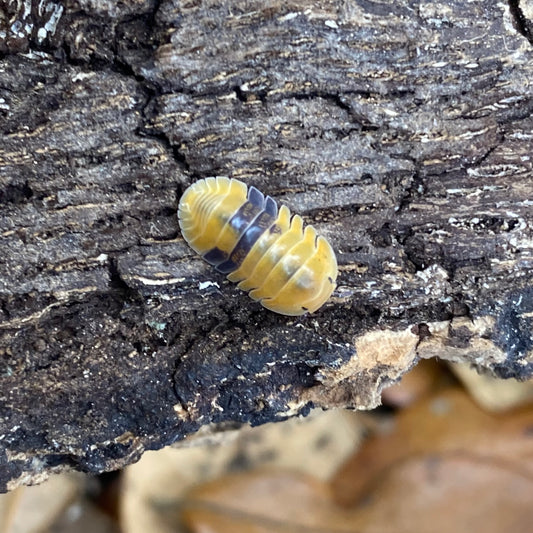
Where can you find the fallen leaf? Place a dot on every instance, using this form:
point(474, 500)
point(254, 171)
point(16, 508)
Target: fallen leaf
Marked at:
point(32, 509)
point(451, 492)
point(449, 422)
point(493, 394)
point(418, 382)
point(264, 502)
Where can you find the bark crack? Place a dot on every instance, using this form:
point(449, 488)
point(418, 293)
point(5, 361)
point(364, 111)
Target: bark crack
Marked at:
point(522, 23)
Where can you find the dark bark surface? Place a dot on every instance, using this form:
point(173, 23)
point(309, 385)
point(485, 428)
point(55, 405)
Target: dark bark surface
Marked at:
point(402, 130)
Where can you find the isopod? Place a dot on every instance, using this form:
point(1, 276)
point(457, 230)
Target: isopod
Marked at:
point(280, 262)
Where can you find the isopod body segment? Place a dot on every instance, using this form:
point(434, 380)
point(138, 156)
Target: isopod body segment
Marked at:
point(287, 267)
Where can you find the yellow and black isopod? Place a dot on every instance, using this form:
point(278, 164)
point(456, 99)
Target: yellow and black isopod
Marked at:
point(287, 267)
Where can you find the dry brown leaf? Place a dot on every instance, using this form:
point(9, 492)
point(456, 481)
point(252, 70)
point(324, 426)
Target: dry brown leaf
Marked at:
point(32, 509)
point(83, 517)
point(418, 382)
point(449, 422)
point(451, 492)
point(265, 502)
point(454, 492)
point(493, 394)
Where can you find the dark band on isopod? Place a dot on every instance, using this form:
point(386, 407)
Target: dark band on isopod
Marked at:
point(244, 217)
point(215, 256)
point(253, 218)
point(245, 243)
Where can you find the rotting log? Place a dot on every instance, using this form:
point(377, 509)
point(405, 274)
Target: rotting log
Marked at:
point(403, 131)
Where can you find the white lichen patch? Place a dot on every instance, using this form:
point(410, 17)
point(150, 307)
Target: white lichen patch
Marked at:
point(202, 285)
point(40, 24)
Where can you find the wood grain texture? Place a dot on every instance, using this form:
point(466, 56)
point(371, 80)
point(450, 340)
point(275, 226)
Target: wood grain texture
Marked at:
point(402, 131)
